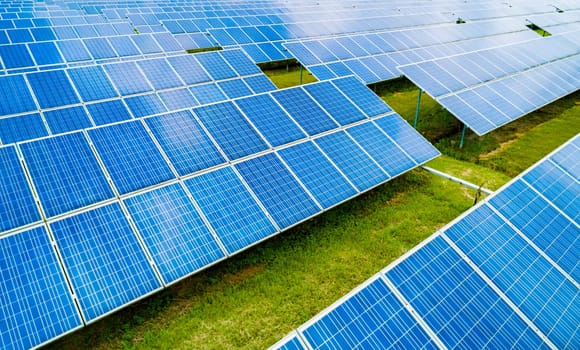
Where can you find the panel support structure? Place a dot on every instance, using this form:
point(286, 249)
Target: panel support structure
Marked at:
point(462, 136)
point(417, 108)
point(301, 69)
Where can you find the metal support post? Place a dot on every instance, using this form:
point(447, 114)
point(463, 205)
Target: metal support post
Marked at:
point(462, 136)
point(300, 74)
point(417, 109)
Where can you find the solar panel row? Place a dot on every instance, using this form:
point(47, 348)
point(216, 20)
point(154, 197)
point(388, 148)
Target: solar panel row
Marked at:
point(503, 275)
point(135, 206)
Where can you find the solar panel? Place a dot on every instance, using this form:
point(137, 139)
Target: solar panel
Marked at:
point(367, 101)
point(145, 105)
point(104, 260)
point(216, 66)
point(35, 294)
point(235, 88)
point(65, 173)
point(15, 96)
point(52, 89)
point(22, 127)
point(160, 74)
point(92, 83)
point(232, 211)
point(335, 103)
point(108, 112)
point(174, 233)
point(130, 156)
point(127, 78)
point(17, 204)
point(208, 93)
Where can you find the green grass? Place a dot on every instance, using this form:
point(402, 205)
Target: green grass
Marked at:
point(286, 78)
point(253, 299)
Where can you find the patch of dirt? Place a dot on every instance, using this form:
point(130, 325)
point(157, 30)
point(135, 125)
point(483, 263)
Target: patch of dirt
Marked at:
point(502, 147)
point(244, 274)
point(466, 172)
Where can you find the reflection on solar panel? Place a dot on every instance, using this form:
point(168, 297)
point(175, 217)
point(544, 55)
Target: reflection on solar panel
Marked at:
point(531, 75)
point(503, 275)
point(142, 203)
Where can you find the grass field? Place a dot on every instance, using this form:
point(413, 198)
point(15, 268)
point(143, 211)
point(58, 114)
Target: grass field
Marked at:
point(252, 300)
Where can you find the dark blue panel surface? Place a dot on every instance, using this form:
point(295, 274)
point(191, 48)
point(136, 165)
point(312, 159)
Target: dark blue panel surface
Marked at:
point(371, 318)
point(160, 74)
point(188, 69)
point(127, 78)
point(231, 210)
point(364, 98)
point(130, 156)
point(45, 53)
point(456, 303)
point(207, 93)
point(74, 50)
point(235, 88)
point(145, 105)
point(108, 112)
point(304, 110)
point(104, 260)
point(540, 291)
point(291, 344)
point(66, 173)
point(270, 119)
point(21, 128)
point(52, 89)
point(92, 83)
point(215, 65)
point(173, 232)
point(260, 83)
point(277, 189)
point(381, 148)
point(36, 304)
point(240, 62)
point(185, 142)
point(17, 205)
point(408, 138)
point(322, 72)
point(15, 56)
point(230, 129)
point(317, 173)
point(335, 103)
point(352, 160)
point(67, 119)
point(15, 97)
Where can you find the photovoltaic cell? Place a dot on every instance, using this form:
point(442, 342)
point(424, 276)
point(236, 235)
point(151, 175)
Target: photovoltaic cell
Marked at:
point(145, 105)
point(17, 204)
point(207, 93)
point(185, 142)
point(100, 48)
point(21, 128)
point(277, 189)
point(52, 89)
point(15, 97)
point(127, 78)
point(105, 262)
point(45, 53)
point(74, 50)
point(130, 156)
point(231, 210)
point(352, 160)
point(67, 119)
point(335, 103)
point(304, 110)
point(108, 112)
point(240, 62)
point(260, 83)
point(160, 74)
point(318, 174)
point(189, 69)
point(36, 304)
point(215, 65)
point(92, 83)
point(173, 232)
point(16, 56)
point(270, 119)
point(366, 100)
point(178, 99)
point(235, 88)
point(231, 131)
point(65, 173)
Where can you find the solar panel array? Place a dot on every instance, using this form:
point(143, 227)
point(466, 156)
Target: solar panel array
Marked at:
point(124, 209)
point(503, 275)
point(485, 95)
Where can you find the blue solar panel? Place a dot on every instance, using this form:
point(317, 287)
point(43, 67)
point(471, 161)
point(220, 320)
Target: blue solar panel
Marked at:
point(100, 48)
point(291, 342)
point(304, 110)
point(231, 131)
point(335, 103)
point(240, 62)
point(124, 46)
point(108, 112)
point(36, 304)
point(185, 142)
point(66, 173)
point(457, 303)
point(127, 78)
point(569, 160)
point(146, 43)
point(390, 157)
point(216, 66)
point(17, 204)
point(74, 50)
point(145, 105)
point(470, 116)
point(508, 260)
point(67, 119)
point(557, 186)
point(352, 160)
point(207, 93)
point(317, 173)
point(92, 83)
point(106, 264)
point(551, 231)
point(322, 72)
point(21, 128)
point(235, 88)
point(15, 97)
point(52, 89)
point(173, 232)
point(130, 156)
point(160, 74)
point(371, 318)
point(45, 53)
point(270, 119)
point(230, 209)
point(408, 138)
point(366, 100)
point(178, 99)
point(260, 83)
point(189, 69)
point(277, 189)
